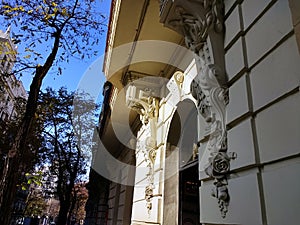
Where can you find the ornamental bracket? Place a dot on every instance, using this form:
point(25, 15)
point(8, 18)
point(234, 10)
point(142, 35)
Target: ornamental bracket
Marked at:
point(200, 22)
point(142, 99)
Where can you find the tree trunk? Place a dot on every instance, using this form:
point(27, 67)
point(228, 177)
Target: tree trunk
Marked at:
point(9, 193)
point(63, 212)
point(18, 149)
point(16, 161)
point(71, 208)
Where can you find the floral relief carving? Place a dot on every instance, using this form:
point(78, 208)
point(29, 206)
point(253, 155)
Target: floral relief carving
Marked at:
point(195, 28)
point(148, 107)
point(150, 152)
point(202, 102)
point(212, 100)
point(148, 196)
point(219, 167)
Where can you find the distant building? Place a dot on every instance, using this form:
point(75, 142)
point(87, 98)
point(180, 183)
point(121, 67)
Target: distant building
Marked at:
point(12, 90)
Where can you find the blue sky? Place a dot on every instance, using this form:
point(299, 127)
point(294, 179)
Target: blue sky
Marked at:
point(76, 69)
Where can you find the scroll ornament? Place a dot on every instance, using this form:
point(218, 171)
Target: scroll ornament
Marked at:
point(196, 30)
point(212, 100)
point(147, 107)
point(149, 148)
point(150, 153)
point(202, 21)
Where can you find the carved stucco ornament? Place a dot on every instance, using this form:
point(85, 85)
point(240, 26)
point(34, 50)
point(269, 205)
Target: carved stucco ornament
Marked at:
point(147, 107)
point(175, 87)
point(212, 100)
point(150, 150)
point(201, 23)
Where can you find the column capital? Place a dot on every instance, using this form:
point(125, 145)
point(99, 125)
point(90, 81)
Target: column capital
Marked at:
point(200, 22)
point(144, 101)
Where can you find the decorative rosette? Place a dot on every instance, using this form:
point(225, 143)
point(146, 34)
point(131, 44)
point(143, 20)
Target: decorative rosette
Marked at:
point(221, 163)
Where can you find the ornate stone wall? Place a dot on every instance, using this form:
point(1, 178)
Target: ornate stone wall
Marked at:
point(261, 59)
point(244, 82)
point(262, 75)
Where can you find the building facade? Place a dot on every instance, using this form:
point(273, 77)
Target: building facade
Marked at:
point(203, 125)
point(11, 89)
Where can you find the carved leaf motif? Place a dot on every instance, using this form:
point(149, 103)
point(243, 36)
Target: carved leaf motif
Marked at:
point(209, 18)
point(211, 103)
point(152, 155)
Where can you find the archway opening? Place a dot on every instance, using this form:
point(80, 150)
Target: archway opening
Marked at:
point(182, 187)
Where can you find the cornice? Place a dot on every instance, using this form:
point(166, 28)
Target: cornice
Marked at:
point(114, 14)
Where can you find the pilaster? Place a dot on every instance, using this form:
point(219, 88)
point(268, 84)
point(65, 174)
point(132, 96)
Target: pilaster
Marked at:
point(201, 24)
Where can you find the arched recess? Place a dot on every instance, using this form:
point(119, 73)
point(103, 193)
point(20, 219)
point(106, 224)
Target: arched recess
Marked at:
point(181, 183)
